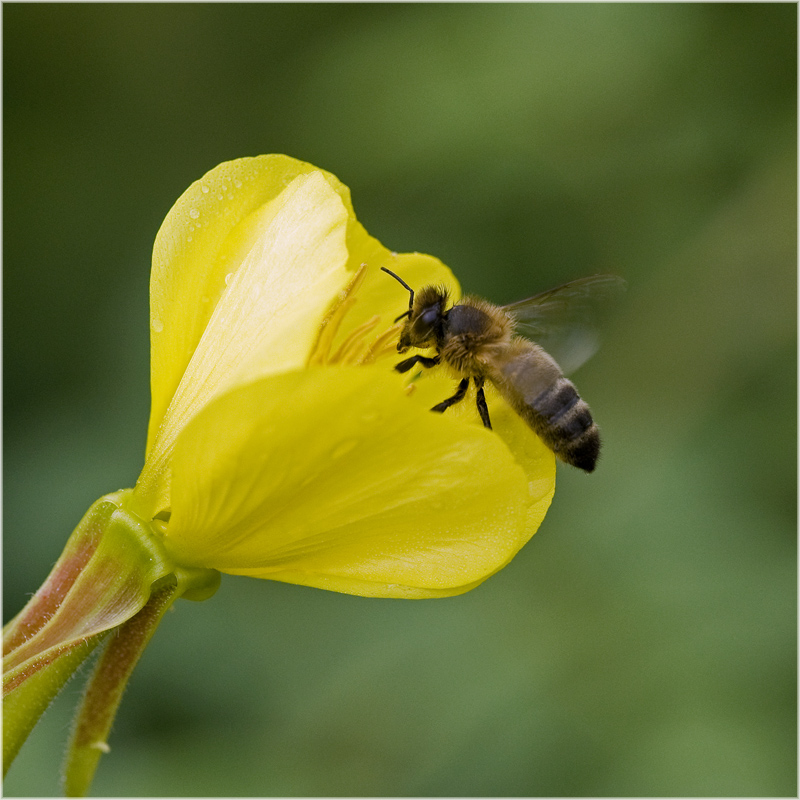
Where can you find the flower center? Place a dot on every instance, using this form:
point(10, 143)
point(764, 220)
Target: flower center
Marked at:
point(360, 346)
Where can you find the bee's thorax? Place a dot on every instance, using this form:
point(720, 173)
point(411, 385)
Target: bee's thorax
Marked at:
point(474, 331)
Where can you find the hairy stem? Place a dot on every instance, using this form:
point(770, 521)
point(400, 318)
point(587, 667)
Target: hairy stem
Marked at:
point(104, 692)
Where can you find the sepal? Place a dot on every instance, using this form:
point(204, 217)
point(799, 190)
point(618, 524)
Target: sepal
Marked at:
point(110, 568)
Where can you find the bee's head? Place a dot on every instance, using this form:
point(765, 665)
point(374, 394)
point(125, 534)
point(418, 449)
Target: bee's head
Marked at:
point(426, 311)
point(425, 319)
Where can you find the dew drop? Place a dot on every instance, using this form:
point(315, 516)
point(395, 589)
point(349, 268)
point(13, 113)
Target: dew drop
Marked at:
point(157, 325)
point(204, 189)
point(237, 184)
point(228, 279)
point(188, 238)
point(194, 213)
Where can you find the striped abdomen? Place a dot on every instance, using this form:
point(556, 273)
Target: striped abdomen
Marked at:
point(565, 424)
point(533, 384)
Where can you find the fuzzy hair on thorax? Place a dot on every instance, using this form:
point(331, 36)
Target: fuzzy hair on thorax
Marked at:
point(476, 332)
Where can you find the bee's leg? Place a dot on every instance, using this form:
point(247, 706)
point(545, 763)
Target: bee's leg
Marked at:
point(405, 366)
point(480, 398)
point(456, 398)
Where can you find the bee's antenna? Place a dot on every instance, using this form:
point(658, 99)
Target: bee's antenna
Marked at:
point(410, 291)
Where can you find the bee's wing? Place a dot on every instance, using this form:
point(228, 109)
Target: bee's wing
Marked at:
point(564, 320)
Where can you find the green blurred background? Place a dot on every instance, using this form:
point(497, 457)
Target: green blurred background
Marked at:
point(644, 642)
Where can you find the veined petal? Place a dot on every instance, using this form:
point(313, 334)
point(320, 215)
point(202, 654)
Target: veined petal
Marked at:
point(332, 477)
point(204, 238)
point(266, 319)
point(530, 452)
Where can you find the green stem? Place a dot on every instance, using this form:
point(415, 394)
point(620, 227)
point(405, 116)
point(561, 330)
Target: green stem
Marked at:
point(104, 692)
point(23, 707)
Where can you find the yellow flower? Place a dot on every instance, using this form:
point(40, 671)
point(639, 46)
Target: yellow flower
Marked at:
point(282, 444)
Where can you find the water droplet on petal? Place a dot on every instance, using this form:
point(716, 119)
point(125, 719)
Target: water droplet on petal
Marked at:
point(194, 213)
point(157, 325)
point(237, 184)
point(204, 189)
point(228, 279)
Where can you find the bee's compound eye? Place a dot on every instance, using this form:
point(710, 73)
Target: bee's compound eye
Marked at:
point(427, 319)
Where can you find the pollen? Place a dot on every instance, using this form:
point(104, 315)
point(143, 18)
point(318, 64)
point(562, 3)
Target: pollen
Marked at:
point(361, 345)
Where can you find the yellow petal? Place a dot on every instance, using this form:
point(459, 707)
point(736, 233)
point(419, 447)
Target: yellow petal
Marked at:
point(267, 317)
point(204, 238)
point(332, 477)
point(432, 386)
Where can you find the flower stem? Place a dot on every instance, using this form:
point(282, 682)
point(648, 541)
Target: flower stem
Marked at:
point(38, 685)
point(104, 691)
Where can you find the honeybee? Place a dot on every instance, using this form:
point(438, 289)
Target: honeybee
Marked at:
point(480, 341)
